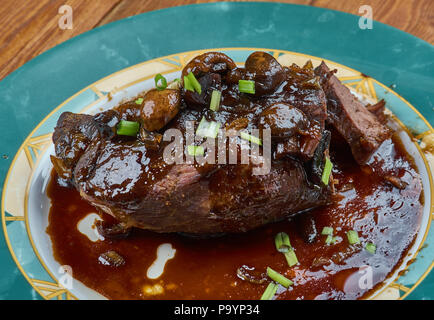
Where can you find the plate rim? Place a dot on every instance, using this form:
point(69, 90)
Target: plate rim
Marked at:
point(128, 84)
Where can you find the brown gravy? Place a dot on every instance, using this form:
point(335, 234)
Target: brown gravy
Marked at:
point(206, 268)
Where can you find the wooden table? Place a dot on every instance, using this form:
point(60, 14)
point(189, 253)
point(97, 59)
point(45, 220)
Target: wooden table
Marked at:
point(30, 27)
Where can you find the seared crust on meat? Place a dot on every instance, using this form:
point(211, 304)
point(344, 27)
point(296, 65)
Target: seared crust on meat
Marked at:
point(129, 178)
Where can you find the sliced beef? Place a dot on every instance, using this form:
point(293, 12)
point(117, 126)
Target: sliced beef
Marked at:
point(360, 128)
point(378, 109)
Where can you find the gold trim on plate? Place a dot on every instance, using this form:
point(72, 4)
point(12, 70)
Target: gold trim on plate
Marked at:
point(182, 58)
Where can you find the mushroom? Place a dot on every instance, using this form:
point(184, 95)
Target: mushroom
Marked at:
point(210, 62)
point(208, 83)
point(111, 258)
point(159, 107)
point(112, 231)
point(283, 120)
point(266, 71)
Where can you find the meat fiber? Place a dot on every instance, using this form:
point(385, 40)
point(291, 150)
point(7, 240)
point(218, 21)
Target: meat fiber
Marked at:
point(361, 129)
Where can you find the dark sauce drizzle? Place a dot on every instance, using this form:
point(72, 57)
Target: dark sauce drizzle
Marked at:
point(207, 268)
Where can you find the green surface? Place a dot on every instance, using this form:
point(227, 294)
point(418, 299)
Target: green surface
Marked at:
point(31, 92)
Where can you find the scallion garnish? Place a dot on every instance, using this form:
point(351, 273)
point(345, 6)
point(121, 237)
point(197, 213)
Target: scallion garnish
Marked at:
point(282, 242)
point(195, 150)
point(208, 129)
point(139, 101)
point(250, 138)
point(327, 231)
point(163, 80)
point(193, 81)
point(370, 247)
point(276, 276)
point(128, 128)
point(283, 245)
point(215, 100)
point(329, 239)
point(270, 291)
point(327, 170)
point(353, 237)
point(291, 258)
point(246, 86)
point(187, 85)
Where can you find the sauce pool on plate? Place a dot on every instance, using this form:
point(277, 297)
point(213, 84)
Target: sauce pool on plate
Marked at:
point(217, 267)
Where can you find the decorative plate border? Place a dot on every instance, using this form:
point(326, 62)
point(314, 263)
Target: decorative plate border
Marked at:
point(17, 182)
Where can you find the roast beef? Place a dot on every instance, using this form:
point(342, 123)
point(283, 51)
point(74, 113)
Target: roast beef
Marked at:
point(129, 177)
point(135, 185)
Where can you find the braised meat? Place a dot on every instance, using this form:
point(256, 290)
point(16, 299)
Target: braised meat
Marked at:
point(131, 178)
point(361, 128)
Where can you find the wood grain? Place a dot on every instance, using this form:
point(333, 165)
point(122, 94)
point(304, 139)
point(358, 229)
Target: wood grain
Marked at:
point(30, 27)
point(125, 9)
point(413, 16)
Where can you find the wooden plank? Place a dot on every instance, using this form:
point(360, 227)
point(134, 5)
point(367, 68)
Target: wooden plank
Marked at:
point(413, 16)
point(126, 8)
point(14, 16)
point(32, 27)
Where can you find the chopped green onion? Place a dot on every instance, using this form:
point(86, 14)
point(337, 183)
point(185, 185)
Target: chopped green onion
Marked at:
point(283, 245)
point(208, 129)
point(128, 128)
point(251, 138)
point(370, 247)
point(163, 85)
point(246, 86)
point(329, 239)
point(274, 275)
point(327, 231)
point(291, 258)
point(193, 81)
point(353, 237)
point(139, 101)
point(282, 242)
point(215, 100)
point(195, 150)
point(270, 291)
point(327, 170)
point(187, 85)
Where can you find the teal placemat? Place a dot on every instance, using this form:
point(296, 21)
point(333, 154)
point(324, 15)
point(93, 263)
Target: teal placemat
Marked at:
point(31, 92)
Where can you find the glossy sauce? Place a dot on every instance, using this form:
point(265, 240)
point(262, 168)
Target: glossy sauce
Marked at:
point(207, 268)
